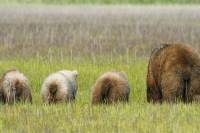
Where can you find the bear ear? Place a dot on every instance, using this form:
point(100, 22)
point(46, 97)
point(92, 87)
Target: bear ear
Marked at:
point(123, 74)
point(75, 72)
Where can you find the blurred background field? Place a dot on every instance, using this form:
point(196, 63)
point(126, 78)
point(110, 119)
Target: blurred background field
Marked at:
point(111, 2)
point(93, 32)
point(41, 39)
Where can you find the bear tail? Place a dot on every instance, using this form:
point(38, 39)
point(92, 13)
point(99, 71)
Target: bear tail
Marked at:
point(101, 91)
point(106, 88)
point(53, 87)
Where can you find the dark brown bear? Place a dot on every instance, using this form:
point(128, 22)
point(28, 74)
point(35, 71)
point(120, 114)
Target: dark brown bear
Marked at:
point(111, 87)
point(14, 88)
point(173, 74)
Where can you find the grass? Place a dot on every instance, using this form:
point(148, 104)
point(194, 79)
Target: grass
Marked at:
point(40, 40)
point(81, 116)
point(132, 117)
point(69, 117)
point(36, 70)
point(60, 2)
point(93, 31)
point(136, 116)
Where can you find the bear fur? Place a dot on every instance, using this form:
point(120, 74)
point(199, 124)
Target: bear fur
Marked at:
point(111, 87)
point(14, 87)
point(60, 87)
point(173, 74)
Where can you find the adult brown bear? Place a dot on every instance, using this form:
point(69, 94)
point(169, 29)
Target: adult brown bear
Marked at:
point(111, 87)
point(173, 74)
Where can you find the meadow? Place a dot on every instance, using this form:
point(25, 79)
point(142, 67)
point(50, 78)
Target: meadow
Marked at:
point(39, 40)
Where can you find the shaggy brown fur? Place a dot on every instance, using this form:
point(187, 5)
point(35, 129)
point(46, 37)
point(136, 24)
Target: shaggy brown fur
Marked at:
point(60, 87)
point(14, 90)
point(111, 87)
point(53, 90)
point(173, 74)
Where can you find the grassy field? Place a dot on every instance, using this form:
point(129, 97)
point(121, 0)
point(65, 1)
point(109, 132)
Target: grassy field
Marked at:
point(41, 40)
point(81, 116)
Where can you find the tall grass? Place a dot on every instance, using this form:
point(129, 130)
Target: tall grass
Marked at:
point(40, 118)
point(78, 31)
point(40, 40)
point(81, 116)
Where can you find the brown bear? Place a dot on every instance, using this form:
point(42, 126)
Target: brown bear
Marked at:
point(173, 74)
point(14, 88)
point(60, 87)
point(111, 87)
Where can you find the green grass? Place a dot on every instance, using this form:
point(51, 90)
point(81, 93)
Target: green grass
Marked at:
point(93, 44)
point(81, 116)
point(101, 1)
